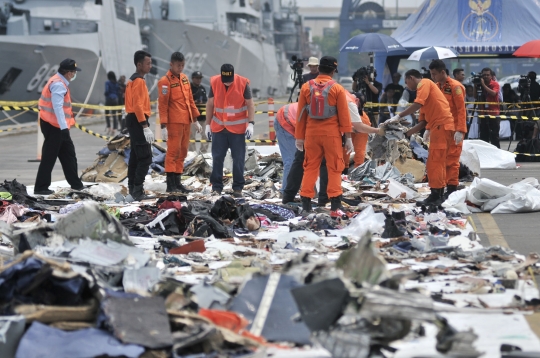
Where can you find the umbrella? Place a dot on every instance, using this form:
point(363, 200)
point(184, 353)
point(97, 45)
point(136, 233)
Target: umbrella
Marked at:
point(529, 49)
point(372, 42)
point(431, 53)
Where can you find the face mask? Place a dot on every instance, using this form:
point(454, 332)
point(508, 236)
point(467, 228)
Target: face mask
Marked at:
point(74, 77)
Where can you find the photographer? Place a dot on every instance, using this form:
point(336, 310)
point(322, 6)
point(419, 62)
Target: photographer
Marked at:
point(313, 65)
point(489, 127)
point(362, 83)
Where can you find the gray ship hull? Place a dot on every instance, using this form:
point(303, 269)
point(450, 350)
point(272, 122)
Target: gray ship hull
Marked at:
point(207, 50)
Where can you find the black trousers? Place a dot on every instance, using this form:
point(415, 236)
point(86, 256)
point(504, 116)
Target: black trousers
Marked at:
point(112, 114)
point(489, 131)
point(140, 157)
point(221, 142)
point(59, 145)
point(296, 174)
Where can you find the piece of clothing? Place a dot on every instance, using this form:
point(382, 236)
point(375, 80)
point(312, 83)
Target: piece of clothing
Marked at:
point(492, 109)
point(440, 141)
point(247, 91)
point(111, 90)
point(316, 148)
point(372, 97)
point(309, 76)
point(57, 144)
point(286, 116)
point(435, 107)
point(55, 103)
point(141, 152)
point(330, 127)
point(200, 97)
point(121, 93)
point(452, 163)
point(360, 141)
point(137, 98)
point(221, 142)
point(489, 130)
point(112, 115)
point(177, 147)
point(230, 107)
point(175, 100)
point(398, 91)
point(296, 174)
point(455, 95)
point(287, 147)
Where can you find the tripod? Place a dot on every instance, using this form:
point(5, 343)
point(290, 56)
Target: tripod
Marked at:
point(298, 82)
point(479, 98)
point(526, 97)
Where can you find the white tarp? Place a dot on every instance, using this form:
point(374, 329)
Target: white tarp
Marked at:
point(496, 198)
point(490, 157)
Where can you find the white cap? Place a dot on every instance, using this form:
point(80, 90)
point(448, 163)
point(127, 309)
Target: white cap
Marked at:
point(313, 61)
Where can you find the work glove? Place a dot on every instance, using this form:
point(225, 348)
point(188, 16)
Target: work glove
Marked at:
point(208, 132)
point(300, 144)
point(148, 135)
point(426, 136)
point(249, 131)
point(198, 127)
point(349, 147)
point(394, 119)
point(164, 133)
point(458, 137)
point(382, 130)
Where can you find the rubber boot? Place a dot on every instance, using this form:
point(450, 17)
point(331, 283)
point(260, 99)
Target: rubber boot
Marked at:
point(335, 208)
point(435, 198)
point(449, 190)
point(390, 229)
point(138, 193)
point(171, 183)
point(179, 185)
point(306, 205)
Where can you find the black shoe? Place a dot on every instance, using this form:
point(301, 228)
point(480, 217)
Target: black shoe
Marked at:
point(179, 185)
point(390, 229)
point(237, 194)
point(335, 203)
point(306, 205)
point(138, 193)
point(286, 200)
point(435, 198)
point(449, 190)
point(171, 183)
point(78, 189)
point(44, 192)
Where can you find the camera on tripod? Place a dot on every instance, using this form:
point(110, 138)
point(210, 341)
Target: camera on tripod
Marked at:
point(362, 73)
point(476, 78)
point(298, 63)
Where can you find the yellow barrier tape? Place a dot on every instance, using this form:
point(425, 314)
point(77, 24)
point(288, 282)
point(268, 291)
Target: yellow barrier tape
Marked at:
point(524, 118)
point(11, 129)
point(527, 154)
point(19, 104)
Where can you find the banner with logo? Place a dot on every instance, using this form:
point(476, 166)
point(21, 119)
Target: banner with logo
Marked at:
point(479, 20)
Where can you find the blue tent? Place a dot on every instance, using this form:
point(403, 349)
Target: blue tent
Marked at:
point(472, 26)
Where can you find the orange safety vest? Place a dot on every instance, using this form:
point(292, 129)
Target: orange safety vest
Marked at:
point(46, 111)
point(286, 117)
point(230, 108)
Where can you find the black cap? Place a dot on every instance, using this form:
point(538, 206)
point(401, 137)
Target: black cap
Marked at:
point(196, 74)
point(329, 61)
point(69, 64)
point(227, 73)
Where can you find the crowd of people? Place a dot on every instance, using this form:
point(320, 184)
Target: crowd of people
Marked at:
point(316, 135)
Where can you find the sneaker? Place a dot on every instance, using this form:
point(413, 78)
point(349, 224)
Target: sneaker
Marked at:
point(44, 192)
point(237, 194)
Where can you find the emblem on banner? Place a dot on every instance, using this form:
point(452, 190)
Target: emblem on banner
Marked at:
point(480, 25)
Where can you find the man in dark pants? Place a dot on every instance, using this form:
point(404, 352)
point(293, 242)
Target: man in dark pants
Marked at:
point(140, 134)
point(229, 121)
point(200, 97)
point(296, 174)
point(56, 119)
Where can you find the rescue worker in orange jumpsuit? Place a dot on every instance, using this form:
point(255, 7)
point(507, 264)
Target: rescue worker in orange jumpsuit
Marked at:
point(230, 116)
point(437, 119)
point(360, 132)
point(454, 92)
point(177, 111)
point(137, 104)
point(323, 117)
point(56, 119)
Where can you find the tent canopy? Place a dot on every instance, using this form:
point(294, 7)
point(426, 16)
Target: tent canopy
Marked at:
point(472, 26)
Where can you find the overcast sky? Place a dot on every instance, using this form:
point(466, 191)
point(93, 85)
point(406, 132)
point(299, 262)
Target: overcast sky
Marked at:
point(336, 3)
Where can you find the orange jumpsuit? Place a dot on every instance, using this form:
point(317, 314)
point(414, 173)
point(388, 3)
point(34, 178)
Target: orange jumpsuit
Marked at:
point(440, 123)
point(455, 95)
point(177, 110)
point(323, 139)
point(359, 139)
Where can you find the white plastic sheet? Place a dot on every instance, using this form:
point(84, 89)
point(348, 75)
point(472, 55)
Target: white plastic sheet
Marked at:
point(490, 157)
point(496, 198)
